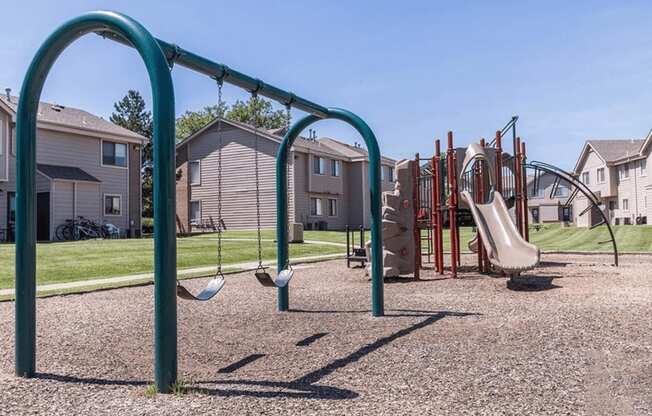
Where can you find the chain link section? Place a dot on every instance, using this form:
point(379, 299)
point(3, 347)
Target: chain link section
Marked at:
point(254, 96)
point(288, 117)
point(220, 221)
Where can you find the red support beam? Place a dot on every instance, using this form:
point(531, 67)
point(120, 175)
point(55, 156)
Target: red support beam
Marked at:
point(518, 188)
point(499, 163)
point(526, 220)
point(416, 203)
point(452, 202)
point(438, 215)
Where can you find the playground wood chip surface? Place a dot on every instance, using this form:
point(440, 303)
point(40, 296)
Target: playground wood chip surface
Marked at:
point(579, 345)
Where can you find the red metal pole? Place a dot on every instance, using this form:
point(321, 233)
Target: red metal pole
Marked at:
point(416, 205)
point(452, 202)
point(526, 220)
point(518, 209)
point(499, 163)
point(438, 213)
point(482, 254)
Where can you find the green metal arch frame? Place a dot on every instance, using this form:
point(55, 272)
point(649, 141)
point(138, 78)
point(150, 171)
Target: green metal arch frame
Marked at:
point(377, 296)
point(164, 188)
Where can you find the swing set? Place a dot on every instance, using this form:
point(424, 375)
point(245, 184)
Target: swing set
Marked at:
point(216, 283)
point(159, 57)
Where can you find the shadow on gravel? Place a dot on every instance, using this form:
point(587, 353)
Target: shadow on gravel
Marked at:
point(90, 380)
point(554, 264)
point(305, 387)
point(531, 284)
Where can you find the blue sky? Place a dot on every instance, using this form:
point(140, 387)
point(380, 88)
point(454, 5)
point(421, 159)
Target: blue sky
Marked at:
point(570, 70)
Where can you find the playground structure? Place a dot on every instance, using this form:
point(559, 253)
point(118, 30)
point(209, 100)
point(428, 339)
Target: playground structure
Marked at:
point(482, 183)
point(159, 58)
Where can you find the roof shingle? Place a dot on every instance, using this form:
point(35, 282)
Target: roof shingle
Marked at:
point(73, 117)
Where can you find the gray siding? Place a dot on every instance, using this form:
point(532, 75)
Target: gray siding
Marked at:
point(61, 201)
point(238, 185)
point(66, 149)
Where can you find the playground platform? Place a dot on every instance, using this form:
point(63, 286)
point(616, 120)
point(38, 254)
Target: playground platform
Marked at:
point(577, 341)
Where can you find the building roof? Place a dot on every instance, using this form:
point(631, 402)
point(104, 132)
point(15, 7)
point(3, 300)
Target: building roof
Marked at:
point(69, 173)
point(72, 117)
point(612, 150)
point(328, 146)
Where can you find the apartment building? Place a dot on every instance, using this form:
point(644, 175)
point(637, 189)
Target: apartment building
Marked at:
point(328, 180)
point(86, 166)
point(617, 171)
point(547, 200)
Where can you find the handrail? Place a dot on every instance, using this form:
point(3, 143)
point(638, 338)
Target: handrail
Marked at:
point(588, 193)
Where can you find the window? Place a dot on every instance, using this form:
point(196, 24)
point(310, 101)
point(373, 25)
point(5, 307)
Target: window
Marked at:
point(315, 206)
point(625, 204)
point(601, 175)
point(195, 172)
point(390, 173)
point(336, 166)
point(319, 165)
point(114, 154)
point(332, 207)
point(566, 214)
point(195, 212)
point(112, 205)
point(382, 173)
point(535, 215)
point(643, 167)
point(13, 141)
point(624, 171)
point(561, 191)
point(585, 178)
point(613, 205)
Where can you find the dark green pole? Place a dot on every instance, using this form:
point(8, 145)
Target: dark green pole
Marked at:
point(377, 297)
point(164, 188)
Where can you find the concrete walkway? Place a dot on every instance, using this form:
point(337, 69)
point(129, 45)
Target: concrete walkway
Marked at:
point(267, 240)
point(133, 278)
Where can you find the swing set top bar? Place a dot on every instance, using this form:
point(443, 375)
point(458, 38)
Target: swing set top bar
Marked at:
point(205, 66)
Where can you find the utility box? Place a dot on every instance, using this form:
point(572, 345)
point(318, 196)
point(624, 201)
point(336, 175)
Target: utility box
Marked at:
point(295, 233)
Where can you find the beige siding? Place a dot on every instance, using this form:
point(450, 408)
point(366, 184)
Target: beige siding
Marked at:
point(64, 149)
point(88, 201)
point(238, 186)
point(5, 131)
point(62, 200)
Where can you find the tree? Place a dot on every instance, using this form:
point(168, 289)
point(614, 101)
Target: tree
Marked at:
point(192, 121)
point(131, 113)
point(255, 111)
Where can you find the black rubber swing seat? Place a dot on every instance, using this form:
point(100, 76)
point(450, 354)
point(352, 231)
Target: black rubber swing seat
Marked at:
point(212, 288)
point(281, 280)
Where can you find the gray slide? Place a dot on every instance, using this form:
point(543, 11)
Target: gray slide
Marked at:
point(505, 247)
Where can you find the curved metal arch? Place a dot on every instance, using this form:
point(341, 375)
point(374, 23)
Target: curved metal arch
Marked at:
point(377, 306)
point(588, 193)
point(164, 187)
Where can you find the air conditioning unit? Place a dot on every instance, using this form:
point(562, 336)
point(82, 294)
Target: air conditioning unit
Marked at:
point(296, 233)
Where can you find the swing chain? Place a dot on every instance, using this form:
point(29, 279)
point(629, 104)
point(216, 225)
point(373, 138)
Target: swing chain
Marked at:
point(257, 173)
point(220, 83)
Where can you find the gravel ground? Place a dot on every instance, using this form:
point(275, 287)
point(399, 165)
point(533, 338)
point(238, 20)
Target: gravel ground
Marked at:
point(579, 344)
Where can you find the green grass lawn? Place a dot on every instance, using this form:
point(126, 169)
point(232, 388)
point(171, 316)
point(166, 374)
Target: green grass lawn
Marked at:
point(553, 237)
point(328, 236)
point(73, 261)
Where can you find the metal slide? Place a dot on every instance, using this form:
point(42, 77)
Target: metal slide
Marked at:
point(505, 247)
